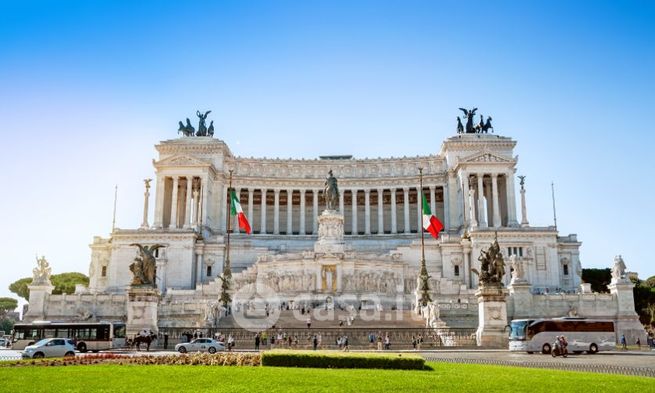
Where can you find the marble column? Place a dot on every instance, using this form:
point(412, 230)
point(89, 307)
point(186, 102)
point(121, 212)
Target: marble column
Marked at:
point(524, 210)
point(159, 202)
point(380, 211)
point(251, 195)
point(289, 212)
point(341, 210)
point(262, 229)
point(204, 213)
point(146, 198)
point(467, 198)
point(173, 223)
point(406, 208)
point(302, 212)
point(466, 249)
point(433, 201)
point(496, 205)
point(276, 212)
point(482, 220)
point(189, 199)
point(235, 220)
point(511, 199)
point(446, 206)
point(367, 211)
point(315, 213)
point(199, 257)
point(195, 211)
point(474, 221)
point(355, 230)
point(394, 223)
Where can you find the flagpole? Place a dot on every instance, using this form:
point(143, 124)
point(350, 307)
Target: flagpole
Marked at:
point(227, 271)
point(552, 188)
point(113, 220)
point(424, 285)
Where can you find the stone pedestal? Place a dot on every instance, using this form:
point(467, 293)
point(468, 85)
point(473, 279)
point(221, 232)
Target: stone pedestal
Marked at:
point(492, 317)
point(142, 306)
point(627, 320)
point(39, 295)
point(520, 298)
point(330, 233)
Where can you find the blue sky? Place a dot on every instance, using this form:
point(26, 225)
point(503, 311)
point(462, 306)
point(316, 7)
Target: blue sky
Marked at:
point(87, 89)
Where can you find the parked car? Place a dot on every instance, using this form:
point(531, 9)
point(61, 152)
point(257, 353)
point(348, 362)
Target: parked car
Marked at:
point(51, 348)
point(4, 343)
point(201, 345)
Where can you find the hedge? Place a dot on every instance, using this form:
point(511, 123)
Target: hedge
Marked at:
point(282, 358)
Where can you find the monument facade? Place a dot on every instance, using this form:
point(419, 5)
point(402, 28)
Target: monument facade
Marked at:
point(313, 240)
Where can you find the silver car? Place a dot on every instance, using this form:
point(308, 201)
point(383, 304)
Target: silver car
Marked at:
point(51, 348)
point(201, 345)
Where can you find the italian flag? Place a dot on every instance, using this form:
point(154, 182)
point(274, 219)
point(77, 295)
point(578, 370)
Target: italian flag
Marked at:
point(430, 222)
point(236, 210)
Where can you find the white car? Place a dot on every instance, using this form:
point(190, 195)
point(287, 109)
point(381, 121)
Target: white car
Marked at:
point(51, 348)
point(201, 345)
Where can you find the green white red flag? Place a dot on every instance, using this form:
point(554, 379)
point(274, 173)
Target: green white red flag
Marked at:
point(236, 210)
point(430, 222)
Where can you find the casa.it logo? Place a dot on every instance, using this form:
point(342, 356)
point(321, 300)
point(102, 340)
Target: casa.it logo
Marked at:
point(255, 307)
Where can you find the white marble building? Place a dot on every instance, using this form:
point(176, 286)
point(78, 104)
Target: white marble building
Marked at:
point(470, 185)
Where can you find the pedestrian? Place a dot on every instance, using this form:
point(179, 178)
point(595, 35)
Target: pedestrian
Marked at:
point(230, 342)
point(379, 343)
point(638, 342)
point(309, 322)
point(345, 343)
point(257, 340)
point(419, 341)
point(387, 342)
point(624, 343)
point(315, 342)
point(413, 341)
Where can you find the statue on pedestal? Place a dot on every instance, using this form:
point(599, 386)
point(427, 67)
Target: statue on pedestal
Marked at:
point(41, 273)
point(331, 192)
point(144, 267)
point(618, 270)
point(492, 266)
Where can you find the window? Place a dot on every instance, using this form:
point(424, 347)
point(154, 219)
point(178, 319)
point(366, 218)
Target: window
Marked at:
point(565, 269)
point(103, 273)
point(209, 271)
point(456, 270)
point(515, 251)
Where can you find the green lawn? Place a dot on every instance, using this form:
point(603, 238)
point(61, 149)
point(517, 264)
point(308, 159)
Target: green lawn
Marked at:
point(444, 377)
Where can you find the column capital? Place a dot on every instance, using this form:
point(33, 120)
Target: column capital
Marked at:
point(276, 191)
point(367, 191)
point(432, 188)
point(302, 191)
point(380, 190)
point(406, 189)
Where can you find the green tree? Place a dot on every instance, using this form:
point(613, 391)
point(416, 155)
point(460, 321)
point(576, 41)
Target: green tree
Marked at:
point(7, 304)
point(650, 281)
point(598, 278)
point(63, 283)
point(19, 287)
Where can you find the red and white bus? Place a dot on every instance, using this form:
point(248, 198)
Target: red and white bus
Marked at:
point(582, 334)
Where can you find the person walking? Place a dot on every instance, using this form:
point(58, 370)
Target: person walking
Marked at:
point(624, 343)
point(419, 341)
point(315, 342)
point(257, 340)
point(379, 343)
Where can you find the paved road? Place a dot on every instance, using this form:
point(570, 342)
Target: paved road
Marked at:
point(628, 363)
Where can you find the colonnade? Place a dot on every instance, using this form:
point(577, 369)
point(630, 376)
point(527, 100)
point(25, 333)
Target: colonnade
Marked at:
point(482, 199)
point(181, 204)
point(295, 209)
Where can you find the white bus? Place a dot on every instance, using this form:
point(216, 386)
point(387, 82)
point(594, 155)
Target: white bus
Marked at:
point(534, 335)
point(88, 336)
